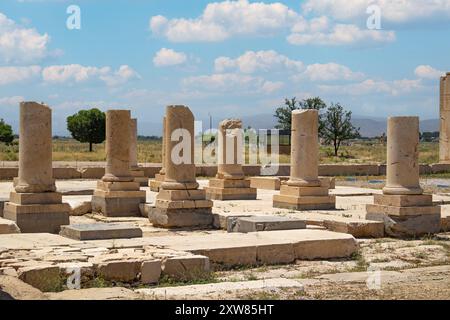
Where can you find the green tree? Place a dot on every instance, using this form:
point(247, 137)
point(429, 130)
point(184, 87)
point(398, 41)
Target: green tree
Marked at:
point(284, 113)
point(6, 133)
point(338, 126)
point(88, 126)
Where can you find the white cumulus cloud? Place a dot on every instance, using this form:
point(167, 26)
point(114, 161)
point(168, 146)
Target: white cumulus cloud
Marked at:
point(221, 20)
point(264, 61)
point(19, 44)
point(10, 75)
point(75, 73)
point(168, 57)
point(11, 101)
point(428, 72)
point(328, 72)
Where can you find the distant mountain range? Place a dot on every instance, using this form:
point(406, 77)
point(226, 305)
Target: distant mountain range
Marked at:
point(369, 126)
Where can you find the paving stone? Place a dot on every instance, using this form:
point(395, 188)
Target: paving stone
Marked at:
point(186, 267)
point(12, 288)
point(115, 293)
point(215, 290)
point(96, 231)
point(151, 271)
point(123, 271)
point(43, 277)
point(29, 241)
point(264, 223)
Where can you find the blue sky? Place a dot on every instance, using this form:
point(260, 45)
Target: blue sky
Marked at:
point(224, 58)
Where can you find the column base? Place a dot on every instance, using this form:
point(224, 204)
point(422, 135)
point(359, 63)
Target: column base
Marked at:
point(304, 198)
point(118, 199)
point(220, 189)
point(37, 212)
point(405, 215)
point(181, 208)
point(181, 218)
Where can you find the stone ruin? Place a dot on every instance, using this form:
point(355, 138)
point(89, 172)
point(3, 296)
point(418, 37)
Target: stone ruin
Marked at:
point(180, 202)
point(230, 182)
point(304, 190)
point(117, 193)
point(403, 207)
point(35, 205)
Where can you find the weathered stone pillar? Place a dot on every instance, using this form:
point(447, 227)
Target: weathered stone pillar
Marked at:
point(155, 184)
point(179, 202)
point(444, 107)
point(403, 207)
point(117, 194)
point(179, 149)
point(230, 148)
point(117, 146)
point(304, 190)
point(136, 171)
point(34, 204)
point(230, 182)
point(35, 149)
point(304, 149)
point(403, 156)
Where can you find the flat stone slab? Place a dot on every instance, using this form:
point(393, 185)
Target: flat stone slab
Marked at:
point(29, 241)
point(116, 293)
point(264, 223)
point(98, 231)
point(215, 290)
point(270, 247)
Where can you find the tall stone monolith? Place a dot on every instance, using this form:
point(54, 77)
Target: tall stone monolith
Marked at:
point(117, 194)
point(179, 202)
point(304, 190)
point(34, 204)
point(230, 182)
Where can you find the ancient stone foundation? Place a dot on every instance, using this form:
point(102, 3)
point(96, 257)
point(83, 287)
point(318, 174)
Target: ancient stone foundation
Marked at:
point(230, 182)
point(403, 207)
point(179, 202)
point(118, 194)
point(34, 204)
point(304, 190)
point(136, 171)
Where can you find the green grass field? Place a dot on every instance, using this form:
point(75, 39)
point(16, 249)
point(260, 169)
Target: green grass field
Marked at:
point(150, 151)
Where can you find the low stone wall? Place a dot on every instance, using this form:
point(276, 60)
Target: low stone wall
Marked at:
point(330, 170)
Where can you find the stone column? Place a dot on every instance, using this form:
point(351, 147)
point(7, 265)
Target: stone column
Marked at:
point(304, 190)
point(133, 144)
point(118, 194)
point(179, 202)
point(403, 156)
point(304, 149)
point(117, 146)
point(230, 148)
point(403, 207)
point(179, 149)
point(444, 107)
point(35, 149)
point(34, 205)
point(230, 182)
